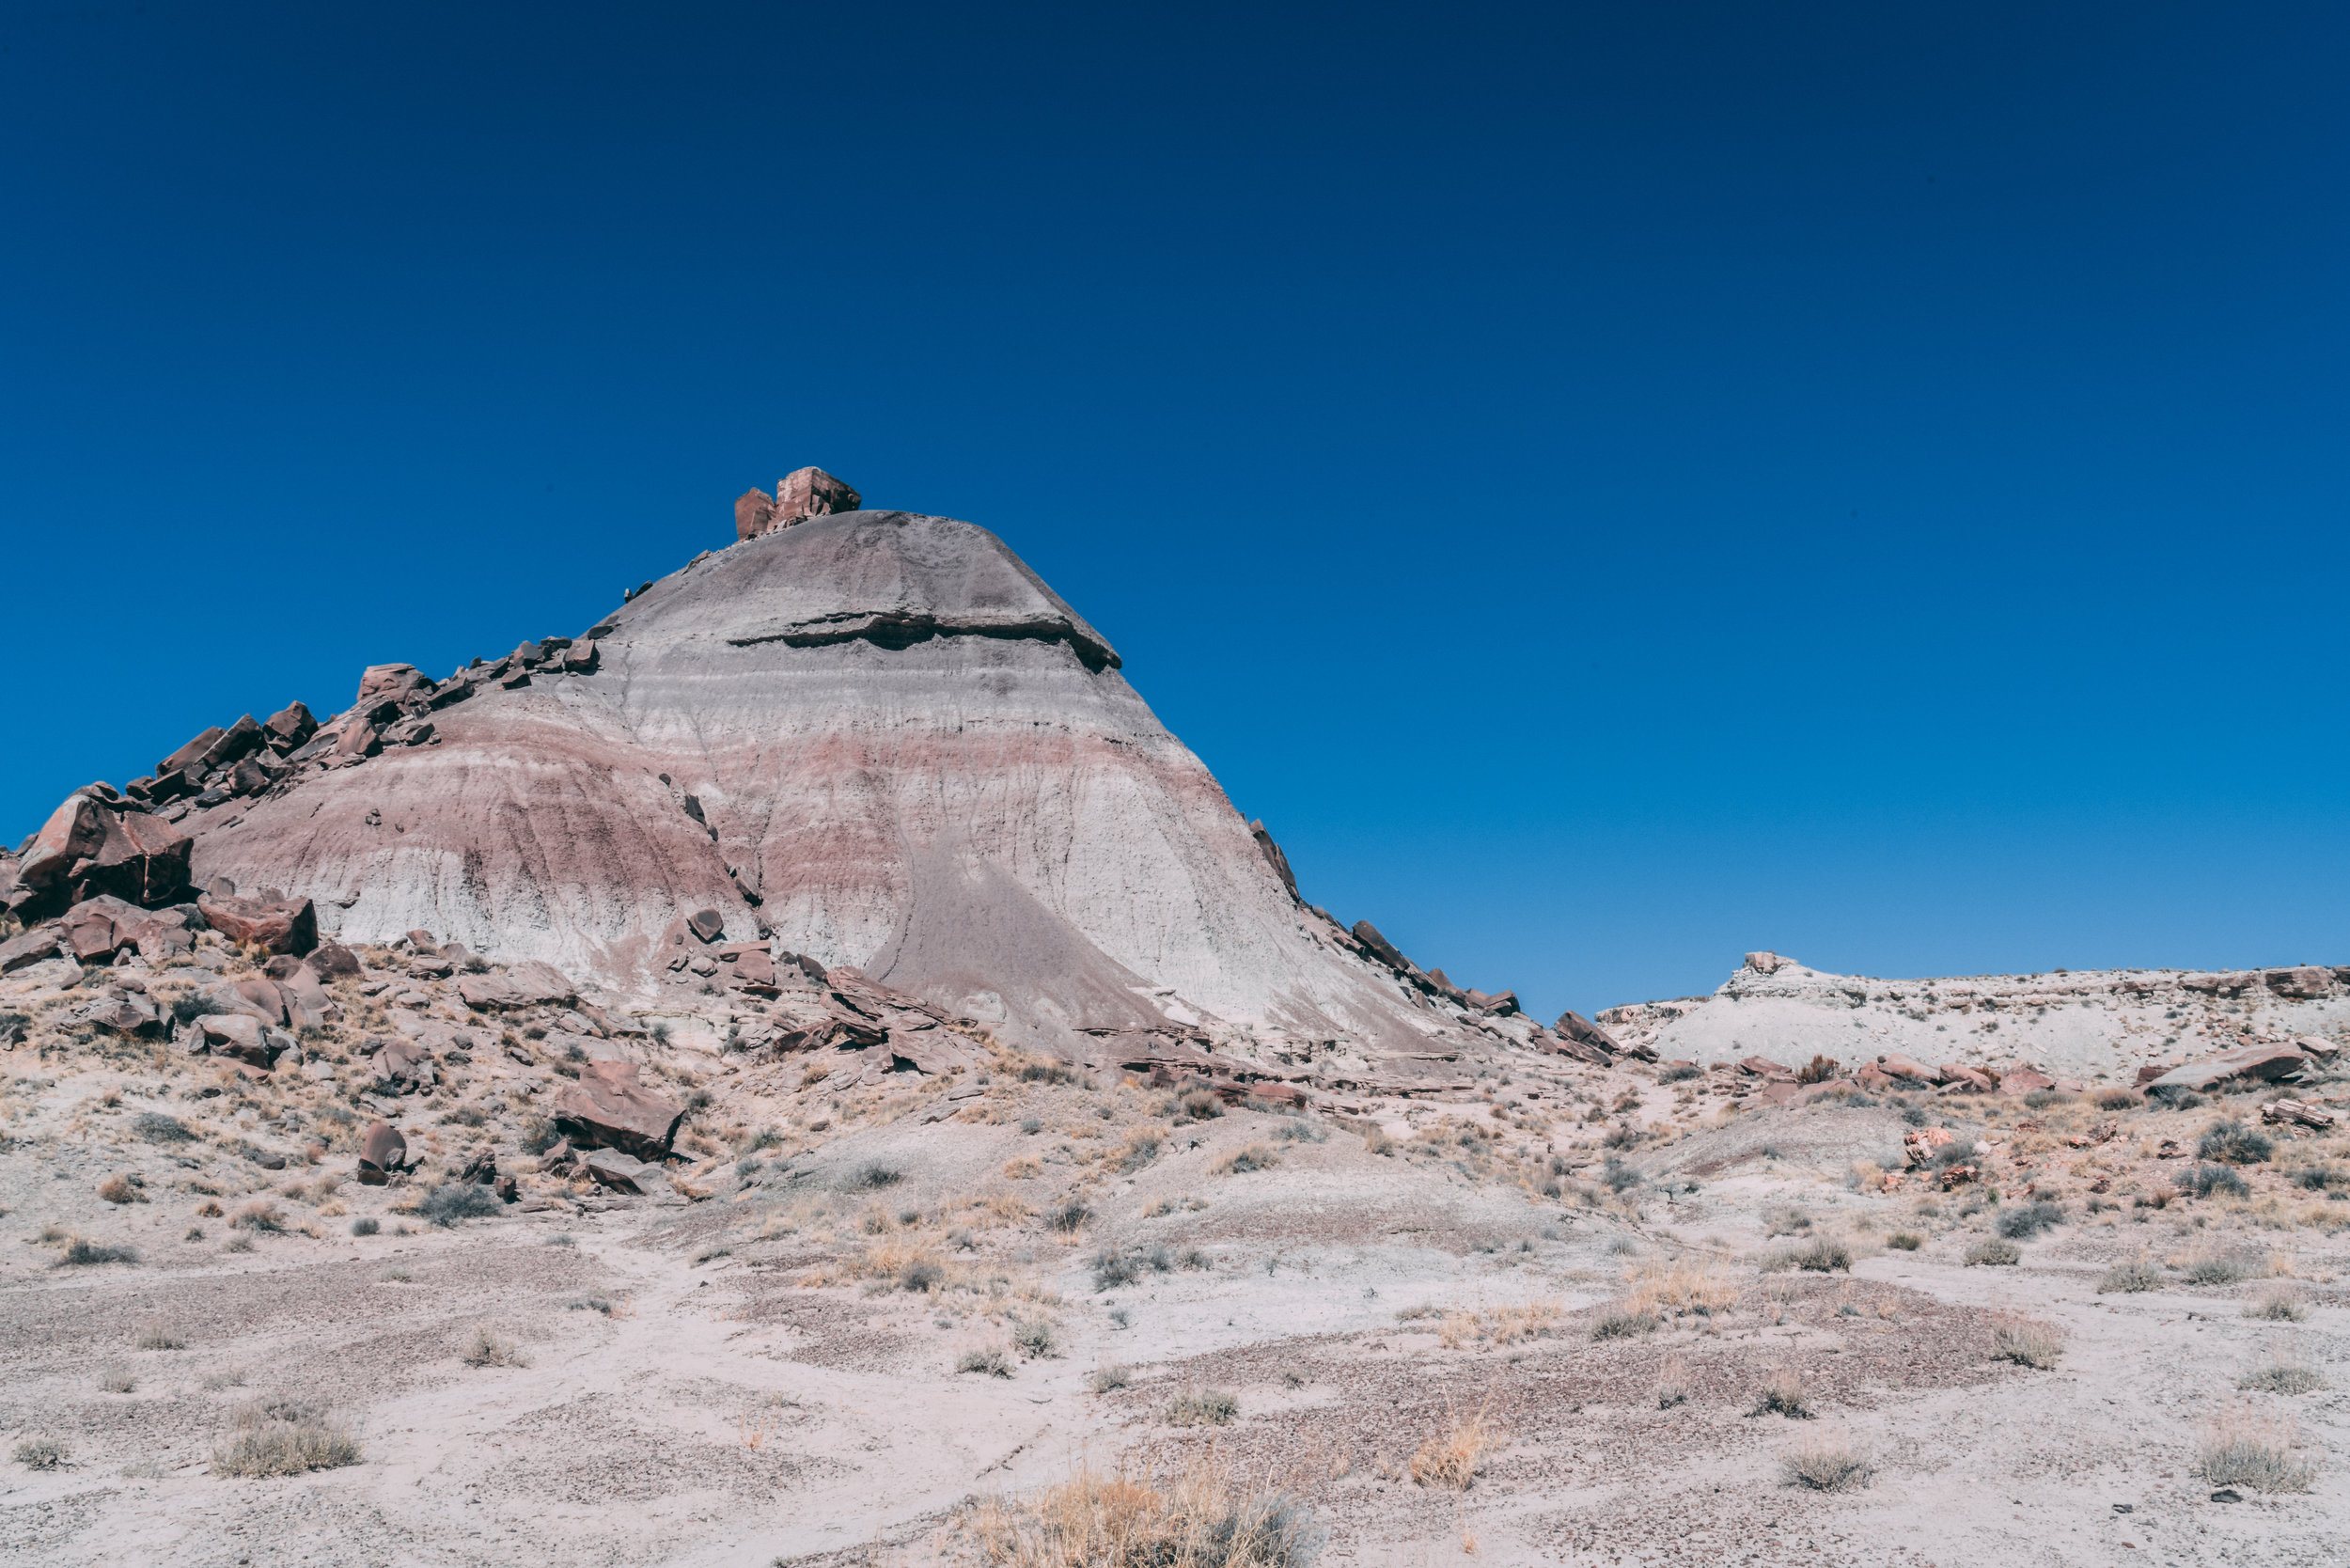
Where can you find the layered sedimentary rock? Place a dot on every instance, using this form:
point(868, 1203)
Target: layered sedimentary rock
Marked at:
point(872, 738)
point(2113, 1022)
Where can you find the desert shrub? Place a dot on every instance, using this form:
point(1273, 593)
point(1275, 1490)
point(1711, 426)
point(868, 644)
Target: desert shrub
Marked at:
point(2206, 1181)
point(1295, 1131)
point(1819, 1069)
point(1822, 1255)
point(2322, 1177)
point(451, 1202)
point(1376, 1141)
point(1117, 1374)
point(485, 1349)
point(1201, 1105)
point(873, 1176)
point(920, 1274)
point(2281, 1376)
point(366, 1226)
point(1451, 1459)
point(2027, 1220)
point(563, 1238)
point(157, 1336)
point(1672, 1383)
point(2233, 1142)
point(1242, 1161)
point(2212, 1265)
point(79, 1253)
point(994, 1361)
point(1031, 1125)
point(1619, 1323)
point(1142, 1147)
point(1618, 1176)
point(1202, 1407)
point(1826, 1463)
point(157, 1127)
point(1623, 1134)
point(42, 1453)
point(1199, 1519)
point(1046, 1073)
point(2026, 1343)
point(538, 1135)
point(187, 1010)
point(2280, 1304)
point(2243, 1448)
point(1996, 1251)
point(1192, 1257)
point(115, 1380)
point(1679, 1071)
point(1904, 1241)
point(2138, 1274)
point(120, 1188)
point(2119, 1099)
point(1035, 1338)
point(282, 1438)
point(1069, 1218)
point(1783, 1394)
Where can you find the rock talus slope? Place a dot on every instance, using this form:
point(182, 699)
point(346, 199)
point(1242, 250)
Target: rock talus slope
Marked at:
point(877, 737)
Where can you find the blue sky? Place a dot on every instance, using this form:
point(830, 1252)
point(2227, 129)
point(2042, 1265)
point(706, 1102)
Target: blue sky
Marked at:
point(1612, 487)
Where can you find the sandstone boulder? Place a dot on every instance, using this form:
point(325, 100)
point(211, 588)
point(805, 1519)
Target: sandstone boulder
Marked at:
point(1766, 964)
point(240, 1036)
point(1384, 950)
point(2246, 1061)
point(1900, 1066)
point(2019, 1081)
point(490, 993)
point(97, 929)
point(290, 726)
point(1764, 1067)
point(812, 493)
point(2306, 980)
point(706, 924)
point(88, 848)
point(541, 985)
point(126, 1012)
point(754, 514)
point(621, 1172)
point(608, 1108)
point(275, 925)
point(332, 961)
point(381, 1152)
point(36, 946)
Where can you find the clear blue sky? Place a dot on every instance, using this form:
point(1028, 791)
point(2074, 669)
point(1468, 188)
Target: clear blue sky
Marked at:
point(1611, 486)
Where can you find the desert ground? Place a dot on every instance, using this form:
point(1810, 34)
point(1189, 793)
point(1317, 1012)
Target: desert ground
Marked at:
point(1017, 1311)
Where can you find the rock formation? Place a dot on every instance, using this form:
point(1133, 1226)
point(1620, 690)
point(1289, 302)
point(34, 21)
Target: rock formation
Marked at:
point(2076, 1025)
point(864, 740)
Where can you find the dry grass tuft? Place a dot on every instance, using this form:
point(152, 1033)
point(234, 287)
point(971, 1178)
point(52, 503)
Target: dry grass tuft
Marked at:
point(1672, 1383)
point(120, 1188)
point(1453, 1459)
point(157, 1336)
point(42, 1453)
point(1996, 1251)
point(486, 1349)
point(1783, 1394)
point(2138, 1274)
point(1257, 1157)
point(2243, 1448)
point(1202, 1520)
point(1203, 1407)
point(1686, 1286)
point(2280, 1304)
point(992, 1360)
point(1826, 1463)
point(2283, 1375)
point(2026, 1342)
point(284, 1438)
point(115, 1380)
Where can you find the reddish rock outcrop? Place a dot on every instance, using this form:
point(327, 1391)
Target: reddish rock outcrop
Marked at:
point(608, 1108)
point(89, 847)
point(381, 1152)
point(754, 514)
point(275, 925)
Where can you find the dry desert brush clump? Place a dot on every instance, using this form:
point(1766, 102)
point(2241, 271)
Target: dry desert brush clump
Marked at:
point(1202, 1407)
point(2138, 1274)
point(1783, 1394)
point(2243, 1448)
point(1201, 1519)
point(2282, 1374)
point(1826, 1463)
point(1452, 1458)
point(2026, 1342)
point(284, 1438)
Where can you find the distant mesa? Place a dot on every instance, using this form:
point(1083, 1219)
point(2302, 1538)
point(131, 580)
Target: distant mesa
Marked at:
point(802, 494)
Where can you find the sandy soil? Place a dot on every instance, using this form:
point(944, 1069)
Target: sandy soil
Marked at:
point(762, 1365)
